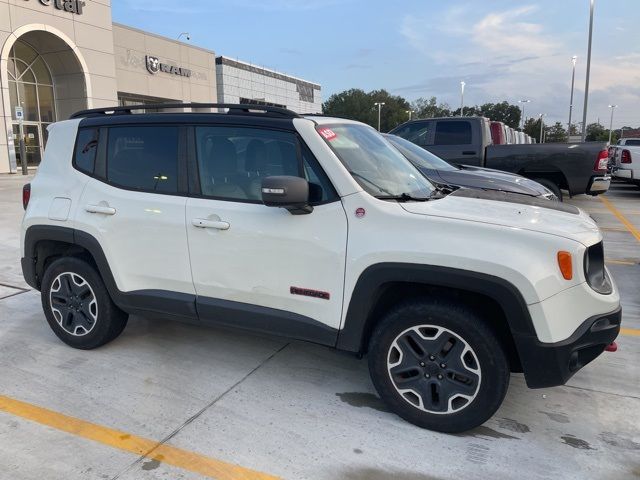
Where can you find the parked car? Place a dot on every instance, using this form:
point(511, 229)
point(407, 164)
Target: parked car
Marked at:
point(625, 160)
point(577, 167)
point(317, 229)
point(498, 136)
point(454, 176)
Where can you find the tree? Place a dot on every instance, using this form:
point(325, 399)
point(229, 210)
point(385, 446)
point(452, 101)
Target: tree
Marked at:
point(354, 104)
point(394, 110)
point(470, 111)
point(596, 132)
point(357, 104)
point(430, 108)
point(502, 112)
point(556, 133)
point(532, 128)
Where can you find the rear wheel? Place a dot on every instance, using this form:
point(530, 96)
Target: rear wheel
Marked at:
point(438, 365)
point(77, 305)
point(551, 186)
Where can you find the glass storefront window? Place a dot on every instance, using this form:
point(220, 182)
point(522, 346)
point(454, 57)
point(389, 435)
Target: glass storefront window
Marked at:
point(47, 107)
point(31, 87)
point(28, 97)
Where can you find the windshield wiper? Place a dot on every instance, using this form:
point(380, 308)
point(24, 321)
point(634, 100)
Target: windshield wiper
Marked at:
point(405, 197)
point(355, 174)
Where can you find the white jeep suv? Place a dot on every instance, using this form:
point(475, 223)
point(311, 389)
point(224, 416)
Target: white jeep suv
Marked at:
point(318, 229)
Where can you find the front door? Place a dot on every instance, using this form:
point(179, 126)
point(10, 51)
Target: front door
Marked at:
point(261, 267)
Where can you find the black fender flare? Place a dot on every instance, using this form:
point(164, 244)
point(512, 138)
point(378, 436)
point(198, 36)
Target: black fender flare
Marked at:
point(372, 280)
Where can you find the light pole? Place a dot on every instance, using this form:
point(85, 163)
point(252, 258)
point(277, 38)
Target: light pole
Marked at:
point(522, 108)
point(573, 80)
point(622, 132)
point(541, 126)
point(410, 112)
point(586, 84)
point(462, 84)
point(612, 107)
point(379, 105)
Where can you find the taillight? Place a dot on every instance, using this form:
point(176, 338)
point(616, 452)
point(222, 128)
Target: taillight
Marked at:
point(26, 195)
point(603, 160)
point(625, 157)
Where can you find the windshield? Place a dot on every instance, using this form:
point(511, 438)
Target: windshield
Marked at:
point(417, 155)
point(632, 143)
point(380, 169)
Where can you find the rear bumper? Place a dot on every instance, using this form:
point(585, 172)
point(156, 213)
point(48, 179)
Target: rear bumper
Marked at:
point(551, 364)
point(626, 173)
point(599, 185)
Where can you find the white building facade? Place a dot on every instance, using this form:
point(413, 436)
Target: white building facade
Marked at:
point(241, 82)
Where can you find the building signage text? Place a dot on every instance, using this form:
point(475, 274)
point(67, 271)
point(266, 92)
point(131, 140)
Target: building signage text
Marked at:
point(71, 6)
point(154, 65)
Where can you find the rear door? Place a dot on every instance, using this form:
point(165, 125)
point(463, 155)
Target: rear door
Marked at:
point(261, 267)
point(134, 206)
point(457, 142)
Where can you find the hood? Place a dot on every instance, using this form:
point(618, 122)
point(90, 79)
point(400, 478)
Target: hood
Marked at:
point(512, 210)
point(476, 177)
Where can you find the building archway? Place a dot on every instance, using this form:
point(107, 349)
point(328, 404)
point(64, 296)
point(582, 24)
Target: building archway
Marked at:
point(47, 77)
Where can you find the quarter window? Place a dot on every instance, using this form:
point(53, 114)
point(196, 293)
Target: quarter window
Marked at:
point(143, 158)
point(86, 147)
point(453, 133)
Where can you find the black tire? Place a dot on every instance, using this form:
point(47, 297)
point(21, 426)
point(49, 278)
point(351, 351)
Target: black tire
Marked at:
point(74, 297)
point(551, 186)
point(490, 384)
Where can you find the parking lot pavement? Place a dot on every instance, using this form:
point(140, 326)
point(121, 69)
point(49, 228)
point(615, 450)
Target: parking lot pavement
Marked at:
point(206, 398)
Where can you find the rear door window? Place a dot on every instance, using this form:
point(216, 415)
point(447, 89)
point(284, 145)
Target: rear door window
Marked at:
point(416, 132)
point(453, 133)
point(143, 158)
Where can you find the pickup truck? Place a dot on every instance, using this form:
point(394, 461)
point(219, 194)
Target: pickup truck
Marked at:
point(575, 167)
point(625, 160)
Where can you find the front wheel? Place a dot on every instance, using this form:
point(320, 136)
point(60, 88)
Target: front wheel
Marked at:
point(438, 366)
point(77, 304)
point(551, 186)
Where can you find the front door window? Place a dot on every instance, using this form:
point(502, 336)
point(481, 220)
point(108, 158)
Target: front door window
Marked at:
point(31, 87)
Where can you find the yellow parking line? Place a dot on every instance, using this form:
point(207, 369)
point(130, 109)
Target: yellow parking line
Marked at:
point(619, 262)
point(177, 457)
point(632, 332)
point(634, 231)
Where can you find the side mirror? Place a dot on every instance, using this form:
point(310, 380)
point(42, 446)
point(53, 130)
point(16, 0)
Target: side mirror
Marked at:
point(287, 192)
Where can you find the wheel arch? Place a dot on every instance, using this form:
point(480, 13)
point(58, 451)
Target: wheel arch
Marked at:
point(383, 285)
point(45, 243)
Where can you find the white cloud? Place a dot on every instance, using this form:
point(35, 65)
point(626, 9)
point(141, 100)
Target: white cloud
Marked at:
point(511, 55)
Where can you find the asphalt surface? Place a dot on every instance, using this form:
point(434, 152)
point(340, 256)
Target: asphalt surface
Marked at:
point(173, 401)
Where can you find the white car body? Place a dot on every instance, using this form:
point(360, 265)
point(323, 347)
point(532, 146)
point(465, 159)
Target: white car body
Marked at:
point(626, 165)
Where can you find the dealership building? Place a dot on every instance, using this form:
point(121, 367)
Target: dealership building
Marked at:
point(61, 56)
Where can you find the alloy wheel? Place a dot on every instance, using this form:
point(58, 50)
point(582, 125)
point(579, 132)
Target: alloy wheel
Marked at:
point(73, 304)
point(434, 369)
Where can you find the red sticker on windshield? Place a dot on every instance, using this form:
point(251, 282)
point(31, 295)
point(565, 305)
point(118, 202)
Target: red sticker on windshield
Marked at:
point(327, 133)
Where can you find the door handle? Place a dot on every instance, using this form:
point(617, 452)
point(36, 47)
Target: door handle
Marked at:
point(204, 223)
point(100, 209)
point(468, 152)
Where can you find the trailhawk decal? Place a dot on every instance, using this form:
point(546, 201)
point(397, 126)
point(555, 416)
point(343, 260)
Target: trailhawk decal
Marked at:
point(307, 292)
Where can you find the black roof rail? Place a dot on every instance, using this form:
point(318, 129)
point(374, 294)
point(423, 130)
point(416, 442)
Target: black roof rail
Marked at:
point(234, 108)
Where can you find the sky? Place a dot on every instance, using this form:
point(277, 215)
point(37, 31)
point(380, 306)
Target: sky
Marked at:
point(502, 50)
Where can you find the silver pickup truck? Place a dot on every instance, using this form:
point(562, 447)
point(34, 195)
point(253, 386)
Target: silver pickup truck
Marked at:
point(625, 160)
point(575, 167)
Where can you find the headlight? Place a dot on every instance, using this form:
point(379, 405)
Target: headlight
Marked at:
point(594, 270)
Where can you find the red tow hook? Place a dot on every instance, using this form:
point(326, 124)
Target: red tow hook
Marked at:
point(612, 347)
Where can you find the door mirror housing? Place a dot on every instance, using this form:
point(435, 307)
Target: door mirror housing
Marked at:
point(287, 192)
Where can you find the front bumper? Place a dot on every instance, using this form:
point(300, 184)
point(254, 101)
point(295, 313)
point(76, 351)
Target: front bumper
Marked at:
point(599, 185)
point(551, 364)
